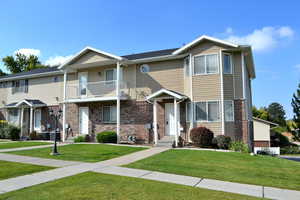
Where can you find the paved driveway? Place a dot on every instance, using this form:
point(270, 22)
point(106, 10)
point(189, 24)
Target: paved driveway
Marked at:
point(294, 158)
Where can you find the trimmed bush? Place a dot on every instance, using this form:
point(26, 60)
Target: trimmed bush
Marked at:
point(290, 150)
point(107, 137)
point(202, 136)
point(9, 131)
point(79, 139)
point(239, 147)
point(222, 141)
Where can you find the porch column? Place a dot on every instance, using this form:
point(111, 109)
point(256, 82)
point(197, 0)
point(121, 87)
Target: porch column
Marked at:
point(176, 122)
point(21, 123)
point(64, 106)
point(155, 121)
point(118, 101)
point(31, 120)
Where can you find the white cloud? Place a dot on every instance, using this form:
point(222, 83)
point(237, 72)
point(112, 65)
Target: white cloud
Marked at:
point(263, 39)
point(57, 60)
point(28, 52)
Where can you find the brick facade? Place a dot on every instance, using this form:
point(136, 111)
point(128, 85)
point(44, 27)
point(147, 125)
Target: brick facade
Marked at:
point(134, 116)
point(261, 143)
point(243, 127)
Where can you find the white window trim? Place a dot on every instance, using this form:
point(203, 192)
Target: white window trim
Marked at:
point(205, 74)
point(232, 102)
point(108, 122)
point(206, 102)
point(87, 82)
point(231, 63)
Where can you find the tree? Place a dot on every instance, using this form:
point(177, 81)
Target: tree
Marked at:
point(2, 73)
point(261, 113)
point(21, 63)
point(296, 110)
point(276, 113)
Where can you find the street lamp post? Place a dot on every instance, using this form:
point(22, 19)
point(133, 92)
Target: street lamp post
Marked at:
point(56, 117)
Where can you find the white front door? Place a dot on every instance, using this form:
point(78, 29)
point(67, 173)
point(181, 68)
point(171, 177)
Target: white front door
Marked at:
point(170, 118)
point(83, 81)
point(83, 120)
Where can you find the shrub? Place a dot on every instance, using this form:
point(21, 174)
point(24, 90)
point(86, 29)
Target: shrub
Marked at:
point(9, 131)
point(290, 150)
point(279, 140)
point(202, 136)
point(79, 139)
point(239, 147)
point(107, 137)
point(222, 141)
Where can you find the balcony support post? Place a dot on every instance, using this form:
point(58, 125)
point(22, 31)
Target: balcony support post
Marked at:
point(118, 102)
point(64, 105)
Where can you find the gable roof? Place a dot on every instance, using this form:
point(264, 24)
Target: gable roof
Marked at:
point(150, 54)
point(29, 102)
point(46, 70)
point(168, 92)
point(87, 49)
point(264, 121)
point(200, 39)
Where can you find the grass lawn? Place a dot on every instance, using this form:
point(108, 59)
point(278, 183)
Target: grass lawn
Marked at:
point(234, 167)
point(82, 152)
point(9, 145)
point(92, 185)
point(14, 169)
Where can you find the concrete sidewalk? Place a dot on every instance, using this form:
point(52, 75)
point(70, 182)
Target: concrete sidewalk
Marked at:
point(30, 147)
point(238, 188)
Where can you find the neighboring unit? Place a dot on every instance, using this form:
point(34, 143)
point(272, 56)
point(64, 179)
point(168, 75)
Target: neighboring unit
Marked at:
point(262, 132)
point(155, 96)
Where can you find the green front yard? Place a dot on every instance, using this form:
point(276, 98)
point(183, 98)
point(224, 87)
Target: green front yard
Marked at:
point(82, 152)
point(92, 185)
point(13, 169)
point(234, 167)
point(10, 145)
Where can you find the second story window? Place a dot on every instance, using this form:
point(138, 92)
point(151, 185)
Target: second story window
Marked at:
point(186, 64)
point(206, 64)
point(110, 75)
point(19, 86)
point(227, 64)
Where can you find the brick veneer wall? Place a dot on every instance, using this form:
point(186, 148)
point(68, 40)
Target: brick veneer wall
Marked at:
point(243, 128)
point(134, 116)
point(47, 119)
point(262, 143)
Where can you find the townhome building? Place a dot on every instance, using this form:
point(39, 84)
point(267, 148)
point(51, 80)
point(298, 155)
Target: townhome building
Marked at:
point(148, 96)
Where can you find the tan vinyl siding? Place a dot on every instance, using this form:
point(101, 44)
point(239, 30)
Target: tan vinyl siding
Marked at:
point(238, 76)
point(206, 87)
point(205, 48)
point(43, 88)
point(167, 74)
point(215, 127)
point(90, 57)
point(228, 87)
point(3, 96)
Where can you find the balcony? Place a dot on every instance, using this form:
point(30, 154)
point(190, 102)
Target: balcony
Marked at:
point(95, 91)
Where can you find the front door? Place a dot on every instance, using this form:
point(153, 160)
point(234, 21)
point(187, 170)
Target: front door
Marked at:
point(83, 120)
point(170, 119)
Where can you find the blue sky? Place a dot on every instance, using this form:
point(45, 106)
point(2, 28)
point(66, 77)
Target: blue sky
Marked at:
point(55, 30)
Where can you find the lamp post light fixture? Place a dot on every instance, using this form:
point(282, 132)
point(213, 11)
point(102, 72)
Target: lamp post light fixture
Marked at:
point(56, 117)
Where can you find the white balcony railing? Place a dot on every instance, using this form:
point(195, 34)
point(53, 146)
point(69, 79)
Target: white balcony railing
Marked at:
point(95, 89)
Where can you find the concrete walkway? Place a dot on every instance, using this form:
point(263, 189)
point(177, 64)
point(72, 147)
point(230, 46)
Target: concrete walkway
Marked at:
point(112, 167)
point(37, 161)
point(30, 147)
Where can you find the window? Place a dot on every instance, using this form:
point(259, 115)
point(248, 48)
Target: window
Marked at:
point(109, 114)
point(13, 116)
point(208, 111)
point(227, 64)
point(37, 119)
point(83, 83)
point(20, 86)
point(110, 75)
point(186, 65)
point(228, 110)
point(206, 64)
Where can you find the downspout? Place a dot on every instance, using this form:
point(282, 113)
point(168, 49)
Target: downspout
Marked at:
point(222, 91)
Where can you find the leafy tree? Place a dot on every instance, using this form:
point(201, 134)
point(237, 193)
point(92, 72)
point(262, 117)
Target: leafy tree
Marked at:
point(21, 63)
point(276, 113)
point(2, 73)
point(296, 110)
point(261, 113)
